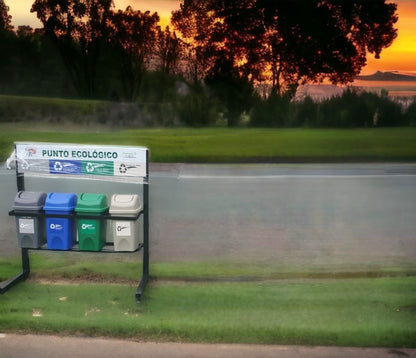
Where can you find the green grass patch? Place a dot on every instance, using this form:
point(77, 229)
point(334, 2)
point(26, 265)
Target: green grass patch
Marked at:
point(127, 269)
point(212, 301)
point(355, 312)
point(224, 145)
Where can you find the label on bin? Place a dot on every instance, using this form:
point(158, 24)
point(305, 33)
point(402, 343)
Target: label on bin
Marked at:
point(27, 226)
point(123, 228)
point(89, 227)
point(56, 227)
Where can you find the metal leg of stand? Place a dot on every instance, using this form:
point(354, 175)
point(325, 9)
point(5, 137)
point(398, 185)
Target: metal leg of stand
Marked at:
point(6, 285)
point(141, 287)
point(145, 273)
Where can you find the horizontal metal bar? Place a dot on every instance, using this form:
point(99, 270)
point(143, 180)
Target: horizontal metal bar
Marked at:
point(105, 216)
point(107, 249)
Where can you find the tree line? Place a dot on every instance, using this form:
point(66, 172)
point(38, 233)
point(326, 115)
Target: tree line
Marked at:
point(208, 66)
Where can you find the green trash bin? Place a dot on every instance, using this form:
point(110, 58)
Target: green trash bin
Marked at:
point(91, 232)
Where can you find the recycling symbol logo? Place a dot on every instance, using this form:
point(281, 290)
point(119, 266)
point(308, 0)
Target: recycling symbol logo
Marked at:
point(90, 167)
point(58, 166)
point(123, 169)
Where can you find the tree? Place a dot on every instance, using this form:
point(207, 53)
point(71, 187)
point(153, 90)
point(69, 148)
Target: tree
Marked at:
point(7, 46)
point(219, 56)
point(79, 30)
point(133, 35)
point(103, 50)
point(193, 21)
point(287, 42)
point(168, 51)
point(5, 18)
point(327, 39)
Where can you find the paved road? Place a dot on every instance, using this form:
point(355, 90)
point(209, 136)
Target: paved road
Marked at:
point(30, 346)
point(304, 215)
point(294, 214)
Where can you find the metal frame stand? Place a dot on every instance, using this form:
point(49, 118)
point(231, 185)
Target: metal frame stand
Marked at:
point(9, 283)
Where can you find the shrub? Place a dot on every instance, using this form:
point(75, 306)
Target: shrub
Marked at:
point(410, 115)
point(305, 113)
point(270, 112)
point(197, 108)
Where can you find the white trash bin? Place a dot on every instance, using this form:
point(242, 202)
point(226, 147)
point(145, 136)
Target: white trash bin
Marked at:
point(125, 232)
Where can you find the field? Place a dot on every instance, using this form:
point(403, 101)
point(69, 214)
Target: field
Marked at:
point(224, 145)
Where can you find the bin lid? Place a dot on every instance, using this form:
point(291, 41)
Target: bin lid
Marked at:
point(125, 204)
point(91, 203)
point(60, 201)
point(29, 200)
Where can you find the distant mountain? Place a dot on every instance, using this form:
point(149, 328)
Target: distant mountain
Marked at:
point(387, 76)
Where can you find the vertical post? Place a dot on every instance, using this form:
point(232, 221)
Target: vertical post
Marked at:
point(146, 218)
point(25, 263)
point(145, 272)
point(146, 231)
point(20, 180)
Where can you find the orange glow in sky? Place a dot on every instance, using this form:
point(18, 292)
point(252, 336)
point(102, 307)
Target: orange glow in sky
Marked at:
point(162, 7)
point(400, 56)
point(21, 15)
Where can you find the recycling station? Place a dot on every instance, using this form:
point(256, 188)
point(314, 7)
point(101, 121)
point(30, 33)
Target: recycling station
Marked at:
point(69, 221)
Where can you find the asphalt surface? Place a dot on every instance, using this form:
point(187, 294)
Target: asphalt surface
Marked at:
point(32, 346)
point(305, 214)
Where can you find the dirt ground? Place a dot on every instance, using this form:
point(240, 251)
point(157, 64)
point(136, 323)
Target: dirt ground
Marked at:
point(17, 346)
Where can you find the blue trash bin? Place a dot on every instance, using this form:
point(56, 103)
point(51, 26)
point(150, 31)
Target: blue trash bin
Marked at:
point(60, 232)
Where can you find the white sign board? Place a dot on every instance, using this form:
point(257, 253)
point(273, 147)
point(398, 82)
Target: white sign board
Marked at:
point(76, 159)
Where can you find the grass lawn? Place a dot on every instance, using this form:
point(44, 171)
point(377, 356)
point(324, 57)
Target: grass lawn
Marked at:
point(222, 145)
point(354, 312)
point(203, 302)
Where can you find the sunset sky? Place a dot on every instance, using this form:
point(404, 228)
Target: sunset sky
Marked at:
point(401, 56)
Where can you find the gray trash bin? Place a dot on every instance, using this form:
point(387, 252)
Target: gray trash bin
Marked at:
point(30, 229)
point(125, 232)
